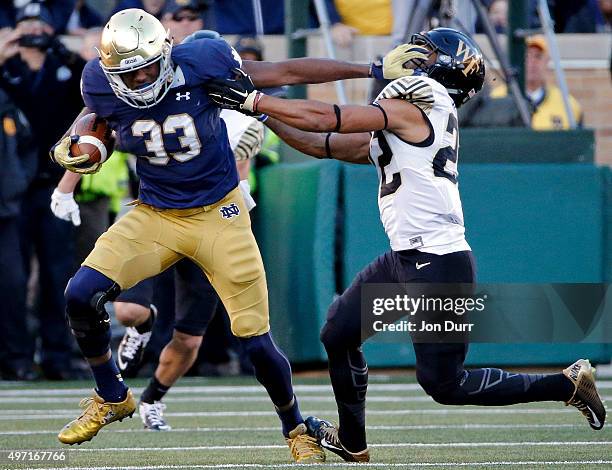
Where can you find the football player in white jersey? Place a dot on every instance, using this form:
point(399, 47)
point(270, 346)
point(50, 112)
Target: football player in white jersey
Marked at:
point(410, 133)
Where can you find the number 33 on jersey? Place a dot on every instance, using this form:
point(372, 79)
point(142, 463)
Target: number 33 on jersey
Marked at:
point(185, 159)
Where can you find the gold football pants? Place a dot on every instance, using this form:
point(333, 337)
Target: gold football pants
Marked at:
point(218, 238)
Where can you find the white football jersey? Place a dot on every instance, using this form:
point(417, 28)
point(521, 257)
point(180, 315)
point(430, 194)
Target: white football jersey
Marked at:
point(245, 133)
point(418, 197)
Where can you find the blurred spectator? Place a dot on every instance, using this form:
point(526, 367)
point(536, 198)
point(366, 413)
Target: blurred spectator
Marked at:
point(575, 16)
point(83, 17)
point(42, 77)
point(605, 6)
point(498, 15)
point(497, 109)
point(459, 14)
point(18, 160)
point(237, 16)
point(91, 40)
point(485, 111)
point(154, 7)
point(183, 18)
point(59, 12)
point(365, 17)
point(249, 48)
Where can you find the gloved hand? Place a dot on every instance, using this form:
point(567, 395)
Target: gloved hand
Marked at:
point(237, 93)
point(245, 189)
point(64, 207)
point(392, 65)
point(60, 154)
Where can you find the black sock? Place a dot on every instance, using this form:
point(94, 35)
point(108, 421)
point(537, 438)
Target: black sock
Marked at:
point(147, 325)
point(155, 391)
point(273, 371)
point(497, 387)
point(349, 376)
point(109, 383)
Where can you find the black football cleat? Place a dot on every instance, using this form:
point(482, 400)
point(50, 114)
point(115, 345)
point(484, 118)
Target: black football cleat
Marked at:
point(326, 435)
point(131, 349)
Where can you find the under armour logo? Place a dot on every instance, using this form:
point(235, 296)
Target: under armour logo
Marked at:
point(179, 97)
point(229, 211)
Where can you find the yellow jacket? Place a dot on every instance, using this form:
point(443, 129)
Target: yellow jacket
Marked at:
point(370, 17)
point(549, 114)
point(111, 181)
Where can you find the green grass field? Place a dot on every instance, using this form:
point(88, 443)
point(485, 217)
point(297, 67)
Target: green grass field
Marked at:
point(231, 424)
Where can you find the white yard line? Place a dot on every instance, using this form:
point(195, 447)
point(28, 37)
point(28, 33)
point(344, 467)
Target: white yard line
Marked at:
point(224, 389)
point(396, 444)
point(528, 463)
point(415, 427)
point(34, 414)
point(225, 399)
point(236, 400)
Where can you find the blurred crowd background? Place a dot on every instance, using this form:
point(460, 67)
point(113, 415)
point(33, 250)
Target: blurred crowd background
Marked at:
point(44, 46)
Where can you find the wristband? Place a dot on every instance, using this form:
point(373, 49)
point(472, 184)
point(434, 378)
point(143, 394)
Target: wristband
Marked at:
point(338, 118)
point(376, 71)
point(384, 113)
point(258, 97)
point(327, 146)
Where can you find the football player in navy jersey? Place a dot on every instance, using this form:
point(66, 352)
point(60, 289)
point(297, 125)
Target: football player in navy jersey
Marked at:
point(153, 96)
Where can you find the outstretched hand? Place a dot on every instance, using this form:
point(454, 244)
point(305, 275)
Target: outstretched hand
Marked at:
point(400, 62)
point(236, 93)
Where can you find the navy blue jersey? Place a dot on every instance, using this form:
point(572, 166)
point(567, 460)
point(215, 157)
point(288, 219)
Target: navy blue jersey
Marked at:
point(184, 157)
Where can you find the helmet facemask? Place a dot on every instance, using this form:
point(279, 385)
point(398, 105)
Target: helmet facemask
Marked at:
point(449, 69)
point(131, 40)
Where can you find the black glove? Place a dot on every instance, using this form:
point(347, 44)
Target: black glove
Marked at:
point(237, 93)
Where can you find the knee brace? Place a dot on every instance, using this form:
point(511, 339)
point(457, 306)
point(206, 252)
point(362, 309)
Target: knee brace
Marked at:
point(86, 294)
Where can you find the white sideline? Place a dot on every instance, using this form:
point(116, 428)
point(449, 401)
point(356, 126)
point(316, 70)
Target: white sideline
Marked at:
point(357, 465)
point(396, 444)
point(415, 427)
point(225, 389)
point(238, 400)
point(482, 411)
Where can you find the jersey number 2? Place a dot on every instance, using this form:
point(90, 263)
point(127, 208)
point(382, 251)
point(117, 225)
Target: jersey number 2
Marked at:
point(155, 143)
point(445, 161)
point(386, 188)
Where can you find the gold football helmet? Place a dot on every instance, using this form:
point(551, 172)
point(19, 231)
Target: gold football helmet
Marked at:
point(133, 39)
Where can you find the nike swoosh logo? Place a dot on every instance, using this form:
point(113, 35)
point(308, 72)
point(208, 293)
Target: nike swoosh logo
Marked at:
point(596, 422)
point(328, 445)
point(419, 266)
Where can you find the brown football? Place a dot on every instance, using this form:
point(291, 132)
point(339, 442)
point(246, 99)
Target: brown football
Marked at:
point(95, 138)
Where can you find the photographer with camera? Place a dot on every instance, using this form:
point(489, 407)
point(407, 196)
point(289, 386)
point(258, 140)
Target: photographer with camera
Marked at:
point(42, 78)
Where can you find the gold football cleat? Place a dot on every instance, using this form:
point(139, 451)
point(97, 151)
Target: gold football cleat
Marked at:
point(97, 414)
point(304, 448)
point(585, 396)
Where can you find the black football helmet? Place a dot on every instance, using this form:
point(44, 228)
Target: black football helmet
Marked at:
point(459, 66)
